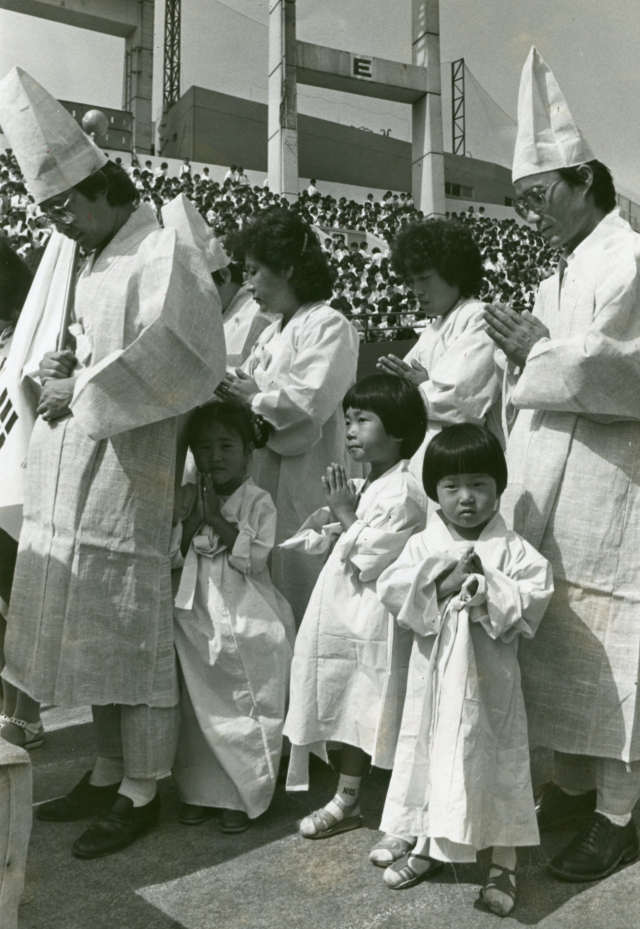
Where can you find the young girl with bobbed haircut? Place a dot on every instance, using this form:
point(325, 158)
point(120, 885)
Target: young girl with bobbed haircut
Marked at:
point(453, 361)
point(295, 378)
point(349, 666)
point(468, 588)
point(233, 631)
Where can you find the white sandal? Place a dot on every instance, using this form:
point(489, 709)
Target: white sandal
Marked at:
point(25, 735)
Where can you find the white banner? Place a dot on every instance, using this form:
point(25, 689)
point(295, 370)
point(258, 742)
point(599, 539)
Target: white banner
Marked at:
point(36, 332)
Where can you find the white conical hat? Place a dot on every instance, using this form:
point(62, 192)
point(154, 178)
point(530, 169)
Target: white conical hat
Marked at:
point(180, 214)
point(548, 137)
point(53, 152)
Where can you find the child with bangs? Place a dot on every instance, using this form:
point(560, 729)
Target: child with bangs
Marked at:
point(350, 660)
point(233, 630)
point(468, 588)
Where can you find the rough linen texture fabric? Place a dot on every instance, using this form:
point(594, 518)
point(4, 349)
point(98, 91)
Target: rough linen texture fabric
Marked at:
point(350, 660)
point(461, 772)
point(91, 614)
point(302, 371)
point(574, 493)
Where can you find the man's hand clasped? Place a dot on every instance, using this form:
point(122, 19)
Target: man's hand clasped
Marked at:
point(55, 372)
point(515, 333)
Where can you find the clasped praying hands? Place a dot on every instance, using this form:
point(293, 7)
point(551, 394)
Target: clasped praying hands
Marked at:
point(237, 388)
point(515, 333)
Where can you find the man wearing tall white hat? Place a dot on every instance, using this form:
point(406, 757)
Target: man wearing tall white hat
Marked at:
point(91, 613)
point(574, 492)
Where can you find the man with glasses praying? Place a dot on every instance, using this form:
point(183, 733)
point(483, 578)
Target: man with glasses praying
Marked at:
point(91, 616)
point(574, 492)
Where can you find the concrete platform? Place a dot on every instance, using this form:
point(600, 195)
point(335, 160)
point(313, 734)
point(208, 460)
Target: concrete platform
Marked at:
point(182, 877)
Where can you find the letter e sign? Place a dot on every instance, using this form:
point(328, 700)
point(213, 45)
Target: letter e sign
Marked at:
point(362, 67)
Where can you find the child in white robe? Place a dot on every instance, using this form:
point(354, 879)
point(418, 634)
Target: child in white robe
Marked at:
point(349, 667)
point(233, 630)
point(469, 588)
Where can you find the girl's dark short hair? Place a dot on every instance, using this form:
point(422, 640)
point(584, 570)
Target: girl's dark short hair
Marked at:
point(235, 270)
point(15, 280)
point(399, 405)
point(441, 244)
point(112, 180)
point(602, 189)
point(280, 239)
point(252, 429)
point(463, 449)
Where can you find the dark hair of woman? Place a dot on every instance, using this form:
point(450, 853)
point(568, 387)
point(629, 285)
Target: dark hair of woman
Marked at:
point(279, 239)
point(443, 245)
point(602, 189)
point(252, 429)
point(111, 180)
point(15, 280)
point(463, 449)
point(397, 402)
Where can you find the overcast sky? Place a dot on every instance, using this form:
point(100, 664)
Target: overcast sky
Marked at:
point(591, 45)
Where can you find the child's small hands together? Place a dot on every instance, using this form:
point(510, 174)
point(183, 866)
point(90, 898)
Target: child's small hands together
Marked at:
point(210, 500)
point(451, 583)
point(341, 500)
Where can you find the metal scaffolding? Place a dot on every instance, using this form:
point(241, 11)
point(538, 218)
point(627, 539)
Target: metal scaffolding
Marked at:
point(458, 125)
point(171, 84)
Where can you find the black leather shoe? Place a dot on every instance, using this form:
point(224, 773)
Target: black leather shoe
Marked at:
point(84, 800)
point(192, 815)
point(597, 851)
point(233, 821)
point(118, 827)
point(555, 808)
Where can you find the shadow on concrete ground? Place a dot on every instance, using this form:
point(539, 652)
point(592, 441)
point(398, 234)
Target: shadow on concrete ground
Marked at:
point(181, 877)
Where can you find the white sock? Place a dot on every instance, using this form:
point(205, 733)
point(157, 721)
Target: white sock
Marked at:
point(617, 820)
point(421, 847)
point(141, 790)
point(348, 790)
point(107, 771)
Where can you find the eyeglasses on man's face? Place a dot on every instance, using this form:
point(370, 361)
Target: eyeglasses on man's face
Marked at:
point(60, 214)
point(535, 201)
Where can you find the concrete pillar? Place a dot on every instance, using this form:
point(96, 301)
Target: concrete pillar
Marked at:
point(138, 87)
point(15, 828)
point(427, 157)
point(283, 108)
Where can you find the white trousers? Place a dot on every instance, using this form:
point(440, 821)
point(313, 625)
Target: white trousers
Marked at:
point(145, 737)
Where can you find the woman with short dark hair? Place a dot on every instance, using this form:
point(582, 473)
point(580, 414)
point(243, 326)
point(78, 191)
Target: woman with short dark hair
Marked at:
point(295, 378)
point(453, 360)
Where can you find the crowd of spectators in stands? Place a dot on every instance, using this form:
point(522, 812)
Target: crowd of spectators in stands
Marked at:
point(516, 258)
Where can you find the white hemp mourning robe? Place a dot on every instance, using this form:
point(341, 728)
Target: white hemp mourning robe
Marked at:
point(234, 636)
point(574, 493)
point(461, 773)
point(350, 660)
point(91, 618)
point(302, 371)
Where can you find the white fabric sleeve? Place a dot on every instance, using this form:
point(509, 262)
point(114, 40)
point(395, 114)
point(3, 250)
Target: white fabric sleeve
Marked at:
point(598, 372)
point(371, 546)
point(178, 359)
point(317, 534)
point(322, 371)
point(256, 536)
point(516, 604)
point(465, 382)
point(407, 588)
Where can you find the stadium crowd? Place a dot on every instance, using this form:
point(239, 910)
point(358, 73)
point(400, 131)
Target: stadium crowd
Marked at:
point(516, 258)
point(433, 566)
